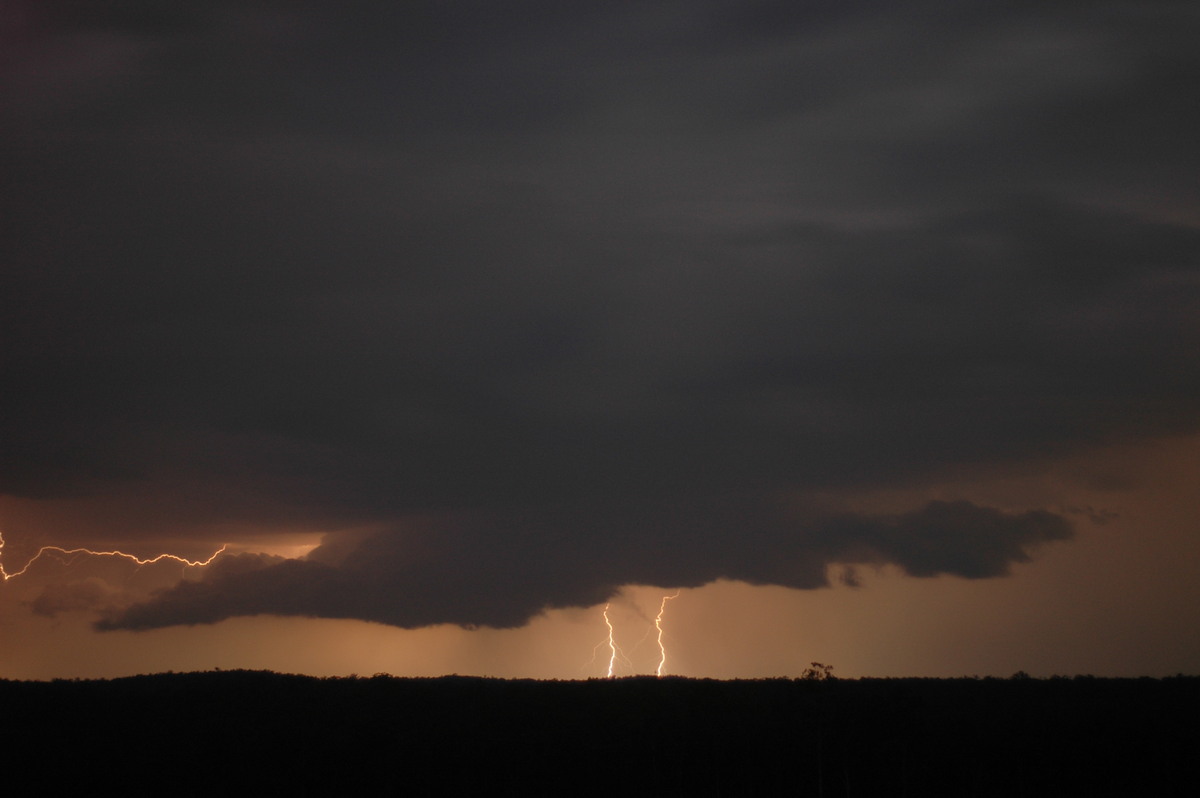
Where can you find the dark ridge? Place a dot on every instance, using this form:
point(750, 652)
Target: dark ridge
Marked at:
point(270, 734)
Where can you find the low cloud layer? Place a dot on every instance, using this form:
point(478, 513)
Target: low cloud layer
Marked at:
point(501, 571)
point(553, 276)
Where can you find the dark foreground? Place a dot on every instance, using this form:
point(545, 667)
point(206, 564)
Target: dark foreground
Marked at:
point(266, 734)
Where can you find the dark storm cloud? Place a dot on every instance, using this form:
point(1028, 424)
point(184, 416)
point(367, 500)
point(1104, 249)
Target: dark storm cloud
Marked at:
point(503, 569)
point(488, 258)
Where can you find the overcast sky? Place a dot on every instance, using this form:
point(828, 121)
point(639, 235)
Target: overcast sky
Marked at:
point(457, 317)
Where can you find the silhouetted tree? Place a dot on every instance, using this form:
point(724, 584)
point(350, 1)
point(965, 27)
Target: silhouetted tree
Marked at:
point(818, 672)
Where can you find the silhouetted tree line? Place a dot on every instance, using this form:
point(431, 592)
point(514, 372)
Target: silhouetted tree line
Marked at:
point(269, 734)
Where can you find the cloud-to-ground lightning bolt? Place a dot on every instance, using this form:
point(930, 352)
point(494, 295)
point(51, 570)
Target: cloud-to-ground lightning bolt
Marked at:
point(612, 644)
point(615, 653)
point(59, 552)
point(662, 650)
point(613, 649)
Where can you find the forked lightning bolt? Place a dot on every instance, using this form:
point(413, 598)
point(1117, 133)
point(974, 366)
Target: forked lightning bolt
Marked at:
point(614, 651)
point(59, 552)
point(612, 644)
point(662, 650)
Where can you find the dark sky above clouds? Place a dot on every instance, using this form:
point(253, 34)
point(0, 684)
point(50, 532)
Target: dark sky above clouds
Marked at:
point(556, 297)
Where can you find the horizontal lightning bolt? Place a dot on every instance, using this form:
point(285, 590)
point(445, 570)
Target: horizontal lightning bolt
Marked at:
point(59, 552)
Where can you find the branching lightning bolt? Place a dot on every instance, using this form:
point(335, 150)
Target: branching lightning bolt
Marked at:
point(615, 654)
point(612, 644)
point(59, 553)
point(662, 650)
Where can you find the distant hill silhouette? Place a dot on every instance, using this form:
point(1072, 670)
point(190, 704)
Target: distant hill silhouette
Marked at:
point(260, 733)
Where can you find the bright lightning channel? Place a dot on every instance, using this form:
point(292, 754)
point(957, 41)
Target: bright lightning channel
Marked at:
point(662, 649)
point(614, 651)
point(612, 644)
point(58, 552)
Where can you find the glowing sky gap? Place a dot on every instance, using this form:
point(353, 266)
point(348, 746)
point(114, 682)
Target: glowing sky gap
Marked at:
point(56, 551)
point(662, 651)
